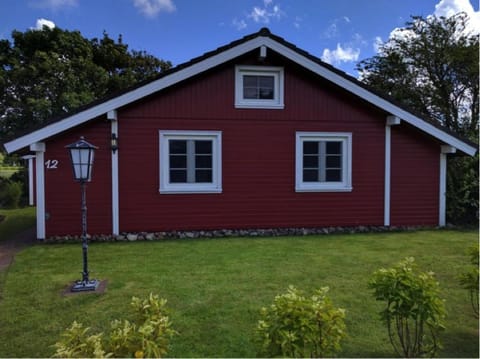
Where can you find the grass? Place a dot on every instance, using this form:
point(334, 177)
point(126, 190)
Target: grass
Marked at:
point(15, 221)
point(215, 288)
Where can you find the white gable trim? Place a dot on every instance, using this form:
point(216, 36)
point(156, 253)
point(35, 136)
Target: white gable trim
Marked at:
point(215, 60)
point(370, 97)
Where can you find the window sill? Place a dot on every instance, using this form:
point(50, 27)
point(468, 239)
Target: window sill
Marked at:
point(190, 190)
point(323, 189)
point(260, 106)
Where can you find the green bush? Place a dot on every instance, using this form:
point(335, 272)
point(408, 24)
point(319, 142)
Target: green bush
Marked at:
point(298, 326)
point(414, 311)
point(469, 280)
point(147, 336)
point(10, 193)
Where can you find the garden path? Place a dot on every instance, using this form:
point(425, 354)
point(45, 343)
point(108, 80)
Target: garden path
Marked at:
point(12, 246)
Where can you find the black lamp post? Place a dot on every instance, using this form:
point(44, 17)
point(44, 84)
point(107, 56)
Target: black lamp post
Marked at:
point(81, 155)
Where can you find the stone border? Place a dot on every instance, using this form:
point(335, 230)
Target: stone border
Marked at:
point(226, 233)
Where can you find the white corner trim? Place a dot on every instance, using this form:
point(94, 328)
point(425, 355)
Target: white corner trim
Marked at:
point(387, 189)
point(39, 149)
point(442, 208)
point(115, 185)
point(390, 121)
point(30, 159)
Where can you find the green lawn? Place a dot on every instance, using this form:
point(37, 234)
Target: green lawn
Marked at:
point(216, 288)
point(15, 221)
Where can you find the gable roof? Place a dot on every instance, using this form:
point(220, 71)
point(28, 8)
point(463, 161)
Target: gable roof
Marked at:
point(222, 55)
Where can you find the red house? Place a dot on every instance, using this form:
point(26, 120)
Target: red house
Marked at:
point(255, 134)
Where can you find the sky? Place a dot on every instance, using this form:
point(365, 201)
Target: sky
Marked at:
point(340, 32)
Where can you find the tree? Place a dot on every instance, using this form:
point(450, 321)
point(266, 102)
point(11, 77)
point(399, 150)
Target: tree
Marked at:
point(48, 73)
point(431, 66)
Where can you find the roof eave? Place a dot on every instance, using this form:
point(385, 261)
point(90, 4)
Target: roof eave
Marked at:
point(249, 43)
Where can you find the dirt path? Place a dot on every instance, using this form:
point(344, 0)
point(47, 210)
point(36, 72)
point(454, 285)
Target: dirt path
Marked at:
point(12, 246)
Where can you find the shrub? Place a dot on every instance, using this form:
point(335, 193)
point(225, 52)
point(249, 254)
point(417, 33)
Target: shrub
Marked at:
point(147, 336)
point(414, 312)
point(10, 194)
point(469, 280)
point(297, 326)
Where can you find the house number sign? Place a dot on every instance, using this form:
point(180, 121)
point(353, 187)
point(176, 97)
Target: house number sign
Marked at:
point(51, 164)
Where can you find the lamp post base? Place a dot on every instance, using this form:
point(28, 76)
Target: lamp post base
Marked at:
point(85, 286)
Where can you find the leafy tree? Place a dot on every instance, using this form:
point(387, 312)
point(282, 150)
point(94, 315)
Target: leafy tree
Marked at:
point(47, 73)
point(431, 66)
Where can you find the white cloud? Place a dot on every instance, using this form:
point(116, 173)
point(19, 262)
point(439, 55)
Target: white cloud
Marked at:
point(239, 24)
point(449, 8)
point(263, 14)
point(43, 22)
point(297, 22)
point(152, 8)
point(53, 4)
point(336, 25)
point(340, 54)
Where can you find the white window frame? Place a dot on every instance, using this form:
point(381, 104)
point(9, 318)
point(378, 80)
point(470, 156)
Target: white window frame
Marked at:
point(278, 75)
point(166, 187)
point(341, 186)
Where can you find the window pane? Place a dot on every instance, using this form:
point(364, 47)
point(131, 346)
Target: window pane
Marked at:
point(310, 147)
point(333, 175)
point(265, 81)
point(203, 147)
point(334, 161)
point(266, 94)
point(334, 148)
point(250, 93)
point(178, 176)
point(310, 161)
point(203, 176)
point(258, 87)
point(178, 161)
point(310, 175)
point(249, 81)
point(178, 146)
point(203, 161)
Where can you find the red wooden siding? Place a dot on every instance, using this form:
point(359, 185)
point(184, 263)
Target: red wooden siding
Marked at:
point(258, 162)
point(258, 155)
point(62, 193)
point(415, 178)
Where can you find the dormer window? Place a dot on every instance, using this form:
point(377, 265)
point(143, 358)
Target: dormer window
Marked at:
point(259, 87)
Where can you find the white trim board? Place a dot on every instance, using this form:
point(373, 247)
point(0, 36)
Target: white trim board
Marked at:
point(39, 149)
point(222, 57)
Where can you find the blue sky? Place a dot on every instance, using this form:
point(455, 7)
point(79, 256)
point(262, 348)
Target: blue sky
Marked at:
point(341, 32)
